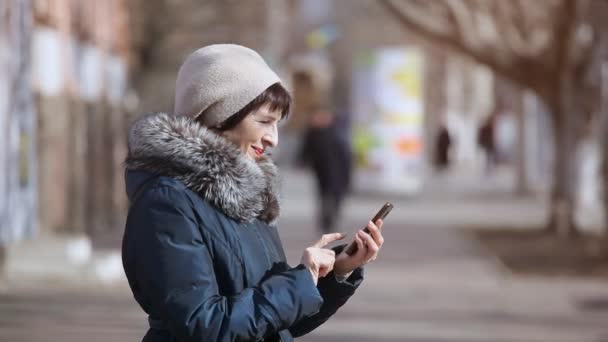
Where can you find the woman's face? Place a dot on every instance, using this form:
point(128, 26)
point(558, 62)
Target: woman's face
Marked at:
point(256, 132)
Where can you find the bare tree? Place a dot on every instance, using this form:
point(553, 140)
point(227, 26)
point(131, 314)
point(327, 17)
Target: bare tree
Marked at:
point(599, 10)
point(604, 137)
point(545, 46)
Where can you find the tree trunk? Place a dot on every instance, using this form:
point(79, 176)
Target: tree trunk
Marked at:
point(604, 170)
point(604, 144)
point(562, 205)
point(3, 262)
point(522, 186)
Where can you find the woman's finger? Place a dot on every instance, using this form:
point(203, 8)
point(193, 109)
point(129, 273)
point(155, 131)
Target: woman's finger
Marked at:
point(361, 248)
point(328, 252)
point(376, 234)
point(372, 247)
point(327, 263)
point(328, 238)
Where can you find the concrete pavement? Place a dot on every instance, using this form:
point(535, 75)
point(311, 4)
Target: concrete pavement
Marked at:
point(432, 283)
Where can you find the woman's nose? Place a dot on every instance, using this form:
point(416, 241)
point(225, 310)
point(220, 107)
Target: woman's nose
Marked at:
point(271, 137)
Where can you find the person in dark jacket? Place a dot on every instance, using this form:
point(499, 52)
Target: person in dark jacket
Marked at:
point(328, 154)
point(201, 250)
point(486, 140)
point(442, 148)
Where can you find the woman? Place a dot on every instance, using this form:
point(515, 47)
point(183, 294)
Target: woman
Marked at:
point(201, 250)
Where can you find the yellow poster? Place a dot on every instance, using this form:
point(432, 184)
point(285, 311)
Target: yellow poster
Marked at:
point(388, 120)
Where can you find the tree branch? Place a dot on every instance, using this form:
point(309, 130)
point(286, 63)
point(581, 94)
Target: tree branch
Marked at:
point(564, 37)
point(463, 21)
point(519, 70)
point(514, 28)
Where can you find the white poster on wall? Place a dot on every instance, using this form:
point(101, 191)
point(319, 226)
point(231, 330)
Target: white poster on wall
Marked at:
point(47, 63)
point(388, 120)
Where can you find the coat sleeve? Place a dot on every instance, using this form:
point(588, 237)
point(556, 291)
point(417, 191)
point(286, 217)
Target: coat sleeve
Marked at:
point(174, 271)
point(335, 294)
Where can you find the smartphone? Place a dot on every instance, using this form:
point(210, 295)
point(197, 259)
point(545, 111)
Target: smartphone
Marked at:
point(380, 215)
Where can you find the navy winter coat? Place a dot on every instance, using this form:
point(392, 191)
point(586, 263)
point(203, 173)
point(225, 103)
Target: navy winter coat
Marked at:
point(201, 251)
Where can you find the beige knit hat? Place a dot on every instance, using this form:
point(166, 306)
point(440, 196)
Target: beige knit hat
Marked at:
point(217, 81)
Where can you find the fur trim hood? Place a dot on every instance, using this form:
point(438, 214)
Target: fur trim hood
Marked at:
point(206, 163)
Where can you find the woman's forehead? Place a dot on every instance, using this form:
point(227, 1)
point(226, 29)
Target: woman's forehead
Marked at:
point(266, 111)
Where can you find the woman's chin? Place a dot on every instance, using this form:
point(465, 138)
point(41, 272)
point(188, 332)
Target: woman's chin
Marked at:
point(253, 155)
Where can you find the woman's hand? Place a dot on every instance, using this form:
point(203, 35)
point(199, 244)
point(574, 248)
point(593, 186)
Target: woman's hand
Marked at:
point(319, 260)
point(368, 246)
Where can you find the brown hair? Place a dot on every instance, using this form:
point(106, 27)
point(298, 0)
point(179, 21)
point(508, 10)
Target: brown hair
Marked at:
point(276, 96)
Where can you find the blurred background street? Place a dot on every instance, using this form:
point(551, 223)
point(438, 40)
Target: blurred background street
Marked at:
point(432, 282)
point(484, 122)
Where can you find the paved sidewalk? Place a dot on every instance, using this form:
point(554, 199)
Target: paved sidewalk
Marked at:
point(432, 283)
point(436, 284)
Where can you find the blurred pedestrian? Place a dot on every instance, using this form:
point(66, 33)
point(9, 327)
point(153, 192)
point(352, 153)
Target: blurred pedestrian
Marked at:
point(486, 141)
point(326, 151)
point(201, 249)
point(442, 148)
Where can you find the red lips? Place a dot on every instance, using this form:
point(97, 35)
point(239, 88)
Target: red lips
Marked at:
point(258, 151)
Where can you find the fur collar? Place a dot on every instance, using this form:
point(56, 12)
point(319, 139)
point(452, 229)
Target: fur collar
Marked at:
point(206, 163)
